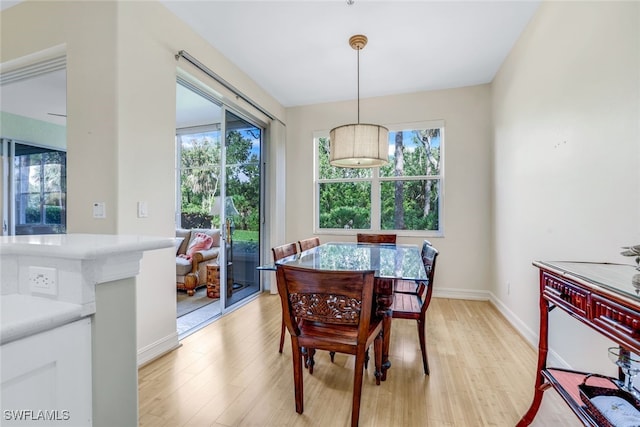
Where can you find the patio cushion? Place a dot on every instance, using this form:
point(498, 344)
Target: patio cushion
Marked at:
point(183, 266)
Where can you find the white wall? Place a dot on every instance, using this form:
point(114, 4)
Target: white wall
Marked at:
point(566, 110)
point(121, 74)
point(465, 260)
point(564, 119)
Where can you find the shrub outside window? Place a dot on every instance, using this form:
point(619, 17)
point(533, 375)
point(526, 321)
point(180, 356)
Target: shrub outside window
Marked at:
point(403, 196)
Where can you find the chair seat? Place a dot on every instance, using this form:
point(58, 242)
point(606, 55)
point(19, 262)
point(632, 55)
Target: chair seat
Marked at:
point(321, 336)
point(406, 306)
point(406, 286)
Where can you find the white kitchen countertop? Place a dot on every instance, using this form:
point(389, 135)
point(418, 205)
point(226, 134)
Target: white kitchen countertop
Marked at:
point(24, 315)
point(80, 246)
point(78, 262)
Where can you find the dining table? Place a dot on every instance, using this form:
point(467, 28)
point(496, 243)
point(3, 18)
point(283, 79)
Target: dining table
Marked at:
point(390, 262)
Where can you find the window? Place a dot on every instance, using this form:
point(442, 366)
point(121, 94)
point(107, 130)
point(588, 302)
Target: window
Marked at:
point(40, 190)
point(404, 195)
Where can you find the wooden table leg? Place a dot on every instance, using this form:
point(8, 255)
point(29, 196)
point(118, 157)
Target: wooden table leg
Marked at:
point(384, 300)
point(543, 348)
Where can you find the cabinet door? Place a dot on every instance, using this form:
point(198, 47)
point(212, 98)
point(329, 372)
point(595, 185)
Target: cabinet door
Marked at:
point(46, 378)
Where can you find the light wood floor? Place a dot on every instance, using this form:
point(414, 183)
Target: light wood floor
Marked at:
point(231, 374)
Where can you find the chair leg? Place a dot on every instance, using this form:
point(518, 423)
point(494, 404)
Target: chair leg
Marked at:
point(366, 359)
point(282, 327)
point(310, 362)
point(357, 388)
point(423, 346)
point(332, 355)
point(297, 376)
point(377, 354)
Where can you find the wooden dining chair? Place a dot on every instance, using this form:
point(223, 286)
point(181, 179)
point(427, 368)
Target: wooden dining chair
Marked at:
point(330, 310)
point(414, 306)
point(309, 243)
point(280, 252)
point(376, 238)
point(415, 287)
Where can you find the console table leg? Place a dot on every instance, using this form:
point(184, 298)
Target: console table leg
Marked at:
point(533, 409)
point(543, 348)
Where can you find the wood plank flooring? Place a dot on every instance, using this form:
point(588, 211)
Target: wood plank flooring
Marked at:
point(231, 374)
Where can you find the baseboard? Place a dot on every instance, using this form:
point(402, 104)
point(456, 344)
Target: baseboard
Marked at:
point(532, 337)
point(527, 333)
point(159, 348)
point(460, 294)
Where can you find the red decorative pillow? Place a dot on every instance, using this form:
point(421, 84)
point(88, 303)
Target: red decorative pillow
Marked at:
point(200, 242)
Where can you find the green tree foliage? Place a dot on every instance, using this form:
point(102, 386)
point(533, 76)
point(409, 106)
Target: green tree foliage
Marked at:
point(200, 177)
point(199, 171)
point(409, 198)
point(243, 178)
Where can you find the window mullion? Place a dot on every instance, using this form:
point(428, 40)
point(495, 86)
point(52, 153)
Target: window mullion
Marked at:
point(375, 200)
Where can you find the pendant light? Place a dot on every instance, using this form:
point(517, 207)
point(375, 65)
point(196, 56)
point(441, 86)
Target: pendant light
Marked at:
point(359, 145)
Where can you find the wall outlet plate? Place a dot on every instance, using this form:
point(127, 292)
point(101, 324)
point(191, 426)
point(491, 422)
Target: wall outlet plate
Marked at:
point(43, 280)
point(99, 210)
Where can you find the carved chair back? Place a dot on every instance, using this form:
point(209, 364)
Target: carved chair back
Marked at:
point(330, 310)
point(328, 297)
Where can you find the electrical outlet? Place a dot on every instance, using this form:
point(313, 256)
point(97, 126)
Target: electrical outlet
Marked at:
point(43, 280)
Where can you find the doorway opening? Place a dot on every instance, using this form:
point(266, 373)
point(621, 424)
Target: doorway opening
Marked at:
point(218, 193)
point(33, 143)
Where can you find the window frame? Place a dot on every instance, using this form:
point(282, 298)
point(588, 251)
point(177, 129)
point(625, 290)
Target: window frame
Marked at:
point(20, 197)
point(376, 180)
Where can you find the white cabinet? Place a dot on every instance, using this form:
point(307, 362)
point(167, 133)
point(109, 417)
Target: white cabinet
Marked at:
point(69, 351)
point(46, 377)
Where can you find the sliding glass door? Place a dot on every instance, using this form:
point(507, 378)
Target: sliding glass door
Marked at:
point(219, 188)
point(199, 155)
point(243, 142)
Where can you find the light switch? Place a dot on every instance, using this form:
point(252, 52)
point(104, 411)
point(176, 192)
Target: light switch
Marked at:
point(143, 210)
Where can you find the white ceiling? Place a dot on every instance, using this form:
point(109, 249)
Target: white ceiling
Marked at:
point(42, 97)
point(298, 51)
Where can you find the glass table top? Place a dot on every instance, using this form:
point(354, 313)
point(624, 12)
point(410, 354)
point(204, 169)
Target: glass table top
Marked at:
point(388, 261)
point(620, 278)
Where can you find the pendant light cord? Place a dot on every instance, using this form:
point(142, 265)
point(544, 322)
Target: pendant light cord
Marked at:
point(358, 68)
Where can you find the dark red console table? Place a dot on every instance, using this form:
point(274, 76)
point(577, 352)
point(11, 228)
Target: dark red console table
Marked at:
point(601, 296)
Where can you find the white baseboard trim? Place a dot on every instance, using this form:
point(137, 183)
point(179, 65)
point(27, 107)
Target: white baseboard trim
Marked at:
point(526, 332)
point(461, 294)
point(159, 348)
point(532, 337)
